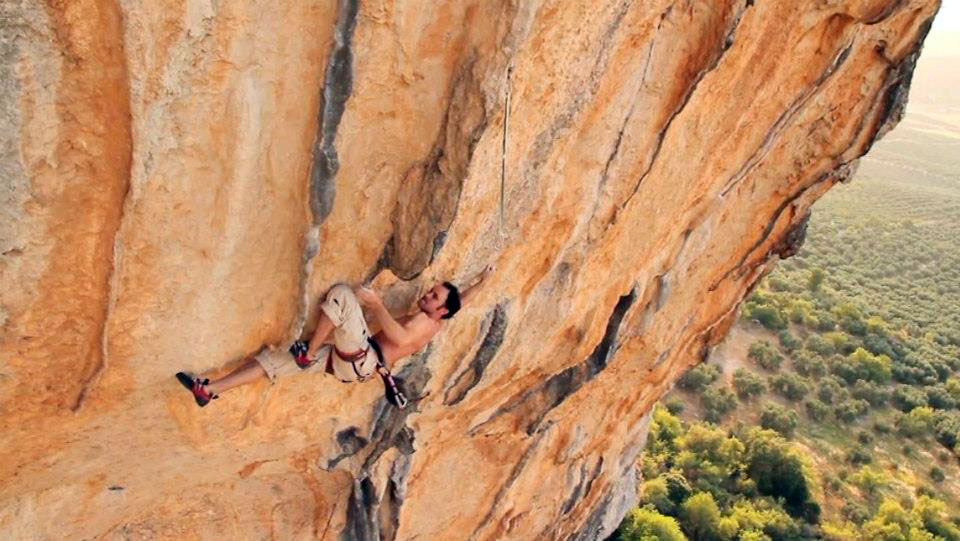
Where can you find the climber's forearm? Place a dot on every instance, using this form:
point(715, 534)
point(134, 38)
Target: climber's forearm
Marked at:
point(389, 326)
point(471, 291)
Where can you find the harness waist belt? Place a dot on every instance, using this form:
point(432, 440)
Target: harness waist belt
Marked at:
point(351, 357)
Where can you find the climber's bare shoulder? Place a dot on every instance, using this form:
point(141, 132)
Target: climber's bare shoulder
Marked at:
point(420, 329)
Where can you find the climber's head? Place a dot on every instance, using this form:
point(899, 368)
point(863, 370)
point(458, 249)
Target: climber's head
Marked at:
point(441, 302)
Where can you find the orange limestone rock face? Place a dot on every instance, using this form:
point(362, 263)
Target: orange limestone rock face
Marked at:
point(182, 180)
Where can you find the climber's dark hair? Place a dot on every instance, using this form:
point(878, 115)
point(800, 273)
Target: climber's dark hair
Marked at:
point(453, 300)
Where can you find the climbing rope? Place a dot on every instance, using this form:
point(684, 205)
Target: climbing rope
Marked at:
point(503, 149)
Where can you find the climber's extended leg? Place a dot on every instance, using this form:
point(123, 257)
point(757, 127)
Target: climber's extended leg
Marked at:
point(340, 313)
point(205, 390)
point(248, 372)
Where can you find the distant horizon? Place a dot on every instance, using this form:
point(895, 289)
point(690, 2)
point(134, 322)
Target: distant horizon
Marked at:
point(944, 38)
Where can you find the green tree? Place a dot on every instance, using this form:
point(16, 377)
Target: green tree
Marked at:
point(918, 422)
point(906, 397)
point(776, 417)
point(947, 431)
point(870, 479)
point(816, 410)
point(932, 514)
point(790, 386)
point(831, 390)
point(717, 403)
point(777, 470)
point(767, 315)
point(851, 410)
point(697, 378)
point(747, 384)
point(765, 354)
point(648, 525)
point(861, 364)
point(893, 522)
point(809, 363)
point(700, 517)
point(656, 493)
point(816, 279)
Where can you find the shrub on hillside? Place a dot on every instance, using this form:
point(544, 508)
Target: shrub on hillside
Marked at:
point(700, 516)
point(765, 354)
point(820, 345)
point(644, 524)
point(767, 315)
point(778, 471)
point(841, 342)
point(856, 513)
point(851, 410)
point(698, 377)
point(825, 322)
point(790, 386)
point(816, 410)
point(906, 397)
point(919, 422)
point(675, 406)
point(952, 386)
point(938, 397)
point(870, 479)
point(876, 395)
point(878, 345)
point(913, 370)
point(809, 363)
point(854, 326)
point(747, 384)
point(717, 403)
point(788, 340)
point(779, 418)
point(861, 364)
point(656, 493)
point(799, 310)
point(817, 276)
point(947, 430)
point(831, 390)
point(859, 456)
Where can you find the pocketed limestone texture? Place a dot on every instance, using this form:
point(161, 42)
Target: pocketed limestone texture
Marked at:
point(181, 180)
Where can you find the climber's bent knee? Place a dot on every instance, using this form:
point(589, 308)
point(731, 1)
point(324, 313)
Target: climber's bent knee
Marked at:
point(278, 362)
point(341, 303)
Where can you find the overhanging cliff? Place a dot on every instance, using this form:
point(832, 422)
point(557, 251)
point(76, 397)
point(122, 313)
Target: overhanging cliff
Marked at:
point(181, 180)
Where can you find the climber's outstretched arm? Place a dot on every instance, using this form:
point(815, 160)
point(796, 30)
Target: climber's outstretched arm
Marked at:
point(395, 331)
point(477, 283)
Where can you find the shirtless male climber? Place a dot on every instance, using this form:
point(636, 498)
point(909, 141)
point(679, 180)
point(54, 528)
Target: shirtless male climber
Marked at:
point(352, 355)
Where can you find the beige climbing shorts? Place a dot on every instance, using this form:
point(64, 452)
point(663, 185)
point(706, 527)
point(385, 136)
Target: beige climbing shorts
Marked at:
point(350, 335)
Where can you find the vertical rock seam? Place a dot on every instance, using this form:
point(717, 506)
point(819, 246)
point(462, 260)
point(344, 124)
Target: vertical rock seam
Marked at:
point(533, 406)
point(471, 376)
point(110, 161)
point(337, 88)
point(336, 92)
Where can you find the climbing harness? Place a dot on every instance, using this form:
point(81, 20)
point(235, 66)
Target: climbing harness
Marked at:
point(393, 387)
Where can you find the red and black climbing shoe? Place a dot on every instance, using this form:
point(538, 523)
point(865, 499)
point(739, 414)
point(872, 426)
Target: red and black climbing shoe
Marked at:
point(198, 387)
point(299, 351)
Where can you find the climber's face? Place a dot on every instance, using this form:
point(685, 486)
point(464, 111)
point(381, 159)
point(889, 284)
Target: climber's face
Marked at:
point(433, 301)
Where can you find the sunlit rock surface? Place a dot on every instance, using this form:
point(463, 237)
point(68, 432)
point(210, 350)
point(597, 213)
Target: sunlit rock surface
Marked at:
point(181, 180)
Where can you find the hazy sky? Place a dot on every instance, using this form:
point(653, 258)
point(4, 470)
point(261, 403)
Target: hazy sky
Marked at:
point(944, 38)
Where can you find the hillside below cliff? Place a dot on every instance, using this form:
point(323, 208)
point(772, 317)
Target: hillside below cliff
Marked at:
point(181, 181)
